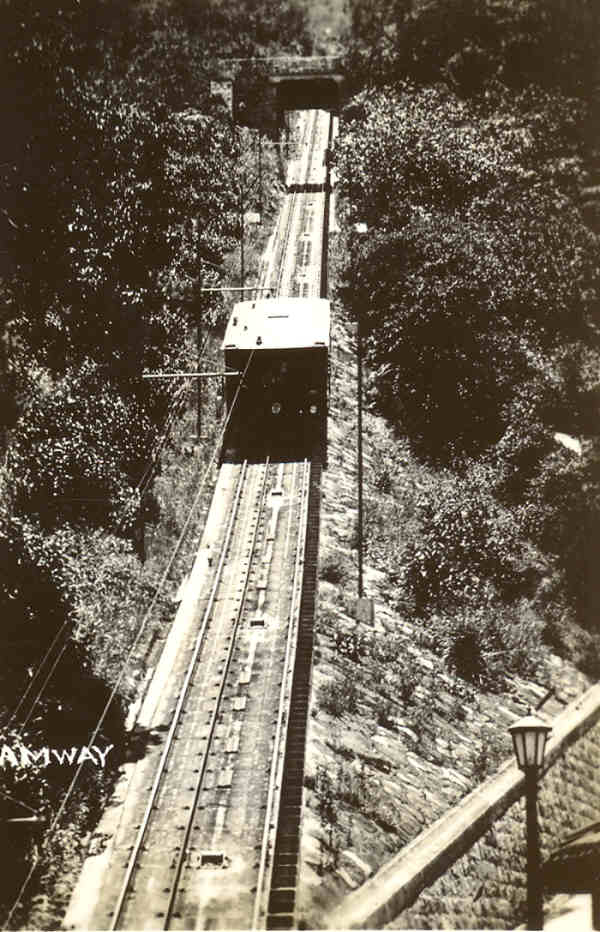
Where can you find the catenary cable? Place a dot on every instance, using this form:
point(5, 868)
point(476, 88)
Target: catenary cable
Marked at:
point(134, 645)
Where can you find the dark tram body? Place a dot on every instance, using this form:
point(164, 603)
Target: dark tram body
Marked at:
point(278, 400)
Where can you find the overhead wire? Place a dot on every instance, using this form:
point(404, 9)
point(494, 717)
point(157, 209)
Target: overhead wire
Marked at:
point(18, 802)
point(63, 630)
point(176, 403)
point(179, 395)
point(135, 642)
point(40, 693)
point(31, 683)
point(142, 485)
point(183, 390)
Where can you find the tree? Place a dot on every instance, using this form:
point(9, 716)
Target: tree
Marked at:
point(78, 453)
point(475, 271)
point(469, 43)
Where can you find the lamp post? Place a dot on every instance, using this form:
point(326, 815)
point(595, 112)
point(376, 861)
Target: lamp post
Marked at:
point(529, 736)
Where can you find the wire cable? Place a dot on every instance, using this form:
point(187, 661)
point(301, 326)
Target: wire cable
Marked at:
point(18, 802)
point(31, 683)
point(146, 477)
point(179, 396)
point(183, 390)
point(43, 686)
point(134, 645)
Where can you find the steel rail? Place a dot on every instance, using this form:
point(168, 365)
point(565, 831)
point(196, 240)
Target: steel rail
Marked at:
point(278, 755)
point(312, 281)
point(295, 201)
point(287, 235)
point(319, 232)
point(183, 851)
point(292, 220)
point(137, 845)
point(283, 228)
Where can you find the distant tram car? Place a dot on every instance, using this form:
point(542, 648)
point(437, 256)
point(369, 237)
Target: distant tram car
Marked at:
point(277, 401)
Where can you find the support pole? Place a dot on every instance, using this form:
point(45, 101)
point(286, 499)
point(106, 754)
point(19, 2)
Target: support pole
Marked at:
point(198, 343)
point(260, 184)
point(535, 904)
point(360, 456)
point(199, 380)
point(242, 276)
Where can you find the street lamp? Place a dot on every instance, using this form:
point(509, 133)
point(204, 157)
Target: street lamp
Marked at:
point(529, 736)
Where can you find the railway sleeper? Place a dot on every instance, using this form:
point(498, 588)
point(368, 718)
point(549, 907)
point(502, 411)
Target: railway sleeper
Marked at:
point(293, 763)
point(287, 861)
point(285, 921)
point(289, 808)
point(293, 799)
point(287, 844)
point(295, 746)
point(282, 900)
point(292, 757)
point(294, 753)
point(289, 822)
point(297, 732)
point(286, 876)
point(300, 697)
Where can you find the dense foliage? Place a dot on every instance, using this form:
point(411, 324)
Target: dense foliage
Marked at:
point(121, 180)
point(476, 272)
point(468, 43)
point(477, 292)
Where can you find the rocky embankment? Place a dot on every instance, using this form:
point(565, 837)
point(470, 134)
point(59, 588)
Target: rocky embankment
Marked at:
point(395, 739)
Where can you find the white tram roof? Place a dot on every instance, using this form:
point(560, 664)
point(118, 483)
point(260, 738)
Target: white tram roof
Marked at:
point(278, 323)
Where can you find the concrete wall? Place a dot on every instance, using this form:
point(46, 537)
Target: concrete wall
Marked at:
point(468, 869)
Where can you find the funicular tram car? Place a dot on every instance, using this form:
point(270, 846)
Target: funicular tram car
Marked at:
point(277, 401)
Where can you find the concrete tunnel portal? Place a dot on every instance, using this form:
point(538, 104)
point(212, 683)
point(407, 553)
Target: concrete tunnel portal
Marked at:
point(259, 92)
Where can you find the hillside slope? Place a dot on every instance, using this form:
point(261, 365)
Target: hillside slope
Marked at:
point(396, 738)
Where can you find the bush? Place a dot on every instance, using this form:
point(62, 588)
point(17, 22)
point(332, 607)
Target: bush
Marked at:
point(405, 680)
point(338, 696)
point(484, 644)
point(477, 266)
point(472, 44)
point(335, 567)
point(351, 643)
point(464, 543)
point(488, 755)
point(76, 580)
point(384, 713)
point(563, 634)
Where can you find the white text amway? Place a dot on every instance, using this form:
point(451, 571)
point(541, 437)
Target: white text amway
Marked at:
point(20, 756)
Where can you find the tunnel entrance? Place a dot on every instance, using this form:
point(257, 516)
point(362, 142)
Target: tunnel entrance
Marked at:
point(308, 94)
point(258, 91)
point(261, 102)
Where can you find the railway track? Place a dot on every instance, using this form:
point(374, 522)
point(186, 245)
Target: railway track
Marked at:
point(292, 209)
point(301, 227)
point(284, 869)
point(220, 790)
point(202, 852)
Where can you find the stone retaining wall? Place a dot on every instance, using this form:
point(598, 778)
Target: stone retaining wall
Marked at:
point(468, 869)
